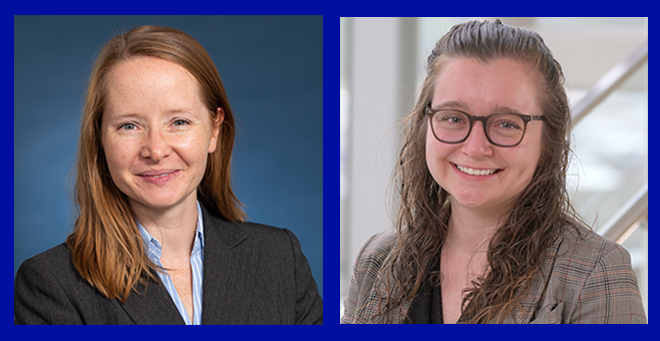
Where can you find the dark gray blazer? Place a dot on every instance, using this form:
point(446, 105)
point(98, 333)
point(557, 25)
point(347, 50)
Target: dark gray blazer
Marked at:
point(253, 274)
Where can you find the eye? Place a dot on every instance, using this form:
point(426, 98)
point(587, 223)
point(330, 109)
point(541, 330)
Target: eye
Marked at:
point(506, 122)
point(508, 125)
point(453, 119)
point(181, 122)
point(127, 126)
point(450, 117)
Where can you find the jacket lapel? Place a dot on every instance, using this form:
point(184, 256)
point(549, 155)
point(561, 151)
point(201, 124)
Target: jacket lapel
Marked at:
point(230, 259)
point(531, 300)
point(152, 305)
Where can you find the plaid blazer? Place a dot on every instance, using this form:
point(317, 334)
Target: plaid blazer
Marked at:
point(589, 281)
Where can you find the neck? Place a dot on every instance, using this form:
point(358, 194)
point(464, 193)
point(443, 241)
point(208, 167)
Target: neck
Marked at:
point(470, 230)
point(173, 227)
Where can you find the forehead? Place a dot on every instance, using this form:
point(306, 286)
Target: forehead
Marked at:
point(502, 82)
point(150, 77)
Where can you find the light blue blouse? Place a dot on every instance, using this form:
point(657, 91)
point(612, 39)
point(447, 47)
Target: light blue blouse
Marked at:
point(155, 251)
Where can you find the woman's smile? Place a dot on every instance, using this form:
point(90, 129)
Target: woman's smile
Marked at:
point(159, 177)
point(480, 172)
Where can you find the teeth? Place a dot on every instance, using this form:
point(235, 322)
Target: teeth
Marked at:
point(160, 176)
point(476, 171)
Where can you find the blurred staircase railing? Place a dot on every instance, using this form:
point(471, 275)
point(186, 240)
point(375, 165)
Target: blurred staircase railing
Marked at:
point(635, 211)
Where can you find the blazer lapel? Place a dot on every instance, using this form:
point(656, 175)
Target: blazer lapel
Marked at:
point(531, 300)
point(152, 305)
point(230, 259)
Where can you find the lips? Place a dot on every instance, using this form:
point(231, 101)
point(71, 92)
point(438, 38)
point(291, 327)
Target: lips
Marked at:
point(159, 176)
point(477, 171)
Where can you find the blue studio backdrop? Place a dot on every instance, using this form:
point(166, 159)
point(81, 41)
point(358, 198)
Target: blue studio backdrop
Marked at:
point(272, 69)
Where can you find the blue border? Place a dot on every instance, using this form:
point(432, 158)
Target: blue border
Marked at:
point(331, 12)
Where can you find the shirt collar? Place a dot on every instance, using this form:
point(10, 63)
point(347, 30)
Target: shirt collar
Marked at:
point(155, 249)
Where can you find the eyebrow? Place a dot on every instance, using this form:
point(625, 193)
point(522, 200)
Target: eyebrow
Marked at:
point(180, 110)
point(131, 114)
point(122, 116)
point(505, 109)
point(458, 104)
point(453, 104)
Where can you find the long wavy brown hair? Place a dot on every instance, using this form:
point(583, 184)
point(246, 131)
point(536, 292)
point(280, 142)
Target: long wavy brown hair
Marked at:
point(105, 244)
point(518, 248)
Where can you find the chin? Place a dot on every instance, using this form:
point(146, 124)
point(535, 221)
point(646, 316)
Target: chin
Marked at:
point(159, 201)
point(471, 200)
point(157, 205)
point(471, 203)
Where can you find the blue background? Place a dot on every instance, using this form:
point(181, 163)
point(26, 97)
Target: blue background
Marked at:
point(272, 69)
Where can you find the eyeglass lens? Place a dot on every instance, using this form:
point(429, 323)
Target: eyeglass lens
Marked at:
point(454, 126)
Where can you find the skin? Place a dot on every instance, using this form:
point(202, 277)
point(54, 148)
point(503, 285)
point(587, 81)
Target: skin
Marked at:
point(479, 203)
point(157, 135)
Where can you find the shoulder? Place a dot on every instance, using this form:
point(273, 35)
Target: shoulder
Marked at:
point(274, 269)
point(54, 260)
point(371, 260)
point(273, 247)
point(592, 279)
point(271, 239)
point(366, 271)
point(49, 270)
point(262, 231)
point(235, 233)
point(46, 287)
point(585, 249)
point(375, 251)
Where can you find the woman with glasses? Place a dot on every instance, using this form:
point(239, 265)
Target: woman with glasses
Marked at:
point(485, 232)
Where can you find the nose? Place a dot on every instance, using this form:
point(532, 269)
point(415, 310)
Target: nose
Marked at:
point(477, 145)
point(156, 146)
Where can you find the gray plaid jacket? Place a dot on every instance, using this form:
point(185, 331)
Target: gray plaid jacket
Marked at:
point(589, 281)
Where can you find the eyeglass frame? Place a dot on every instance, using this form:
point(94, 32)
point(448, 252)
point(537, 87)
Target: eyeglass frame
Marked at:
point(526, 118)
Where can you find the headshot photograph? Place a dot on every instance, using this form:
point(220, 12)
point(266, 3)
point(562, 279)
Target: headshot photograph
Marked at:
point(168, 170)
point(494, 171)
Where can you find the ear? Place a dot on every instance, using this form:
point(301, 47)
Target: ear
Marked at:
point(217, 123)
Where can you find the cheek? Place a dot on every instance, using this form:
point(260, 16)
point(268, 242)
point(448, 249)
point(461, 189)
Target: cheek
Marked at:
point(430, 153)
point(117, 155)
point(528, 160)
point(194, 149)
point(436, 154)
point(536, 150)
point(436, 151)
point(110, 149)
point(431, 146)
point(118, 163)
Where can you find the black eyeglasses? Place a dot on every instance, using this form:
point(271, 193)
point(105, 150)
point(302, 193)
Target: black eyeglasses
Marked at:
point(501, 129)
